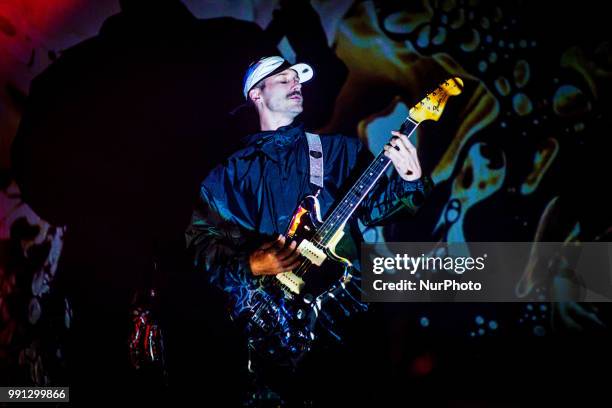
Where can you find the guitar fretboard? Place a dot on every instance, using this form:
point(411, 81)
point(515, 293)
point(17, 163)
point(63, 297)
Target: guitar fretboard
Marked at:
point(351, 201)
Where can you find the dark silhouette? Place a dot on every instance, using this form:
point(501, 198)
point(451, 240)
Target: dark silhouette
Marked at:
point(117, 134)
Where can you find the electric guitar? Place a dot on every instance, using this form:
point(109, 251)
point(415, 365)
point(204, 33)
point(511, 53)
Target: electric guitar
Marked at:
point(281, 316)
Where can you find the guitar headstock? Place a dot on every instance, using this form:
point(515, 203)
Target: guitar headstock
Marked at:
point(431, 107)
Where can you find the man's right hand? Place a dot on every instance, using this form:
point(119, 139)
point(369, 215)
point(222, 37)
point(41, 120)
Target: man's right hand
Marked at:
point(274, 257)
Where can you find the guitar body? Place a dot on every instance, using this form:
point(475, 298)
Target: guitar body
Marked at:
point(305, 222)
point(281, 325)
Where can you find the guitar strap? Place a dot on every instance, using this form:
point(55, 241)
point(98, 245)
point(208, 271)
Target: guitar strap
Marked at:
point(315, 155)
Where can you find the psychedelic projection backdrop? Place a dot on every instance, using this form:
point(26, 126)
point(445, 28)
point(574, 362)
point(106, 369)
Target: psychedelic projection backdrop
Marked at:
point(502, 155)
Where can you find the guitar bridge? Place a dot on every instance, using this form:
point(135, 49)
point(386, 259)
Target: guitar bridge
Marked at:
point(291, 281)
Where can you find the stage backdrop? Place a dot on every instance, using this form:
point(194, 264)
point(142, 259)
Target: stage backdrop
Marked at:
point(518, 156)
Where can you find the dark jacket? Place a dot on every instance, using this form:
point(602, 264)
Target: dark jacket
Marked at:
point(252, 197)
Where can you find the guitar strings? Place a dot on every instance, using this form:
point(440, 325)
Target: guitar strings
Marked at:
point(407, 122)
point(321, 243)
point(339, 211)
point(380, 161)
point(371, 169)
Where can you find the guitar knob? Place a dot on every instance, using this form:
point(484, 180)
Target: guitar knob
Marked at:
point(308, 298)
point(300, 314)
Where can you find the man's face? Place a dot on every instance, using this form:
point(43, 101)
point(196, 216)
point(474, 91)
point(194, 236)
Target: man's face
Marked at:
point(283, 93)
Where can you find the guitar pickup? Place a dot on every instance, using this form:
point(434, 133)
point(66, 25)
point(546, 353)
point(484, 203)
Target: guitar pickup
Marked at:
point(309, 251)
point(291, 281)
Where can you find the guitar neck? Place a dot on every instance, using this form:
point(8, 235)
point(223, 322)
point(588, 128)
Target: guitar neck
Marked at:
point(351, 201)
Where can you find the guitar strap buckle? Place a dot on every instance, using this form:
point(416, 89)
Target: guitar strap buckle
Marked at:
point(315, 156)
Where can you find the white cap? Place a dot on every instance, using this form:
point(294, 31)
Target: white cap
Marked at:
point(269, 66)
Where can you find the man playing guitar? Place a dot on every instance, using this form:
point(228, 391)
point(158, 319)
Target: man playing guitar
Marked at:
point(243, 230)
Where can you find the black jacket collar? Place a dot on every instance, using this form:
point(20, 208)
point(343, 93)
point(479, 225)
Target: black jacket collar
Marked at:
point(280, 137)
